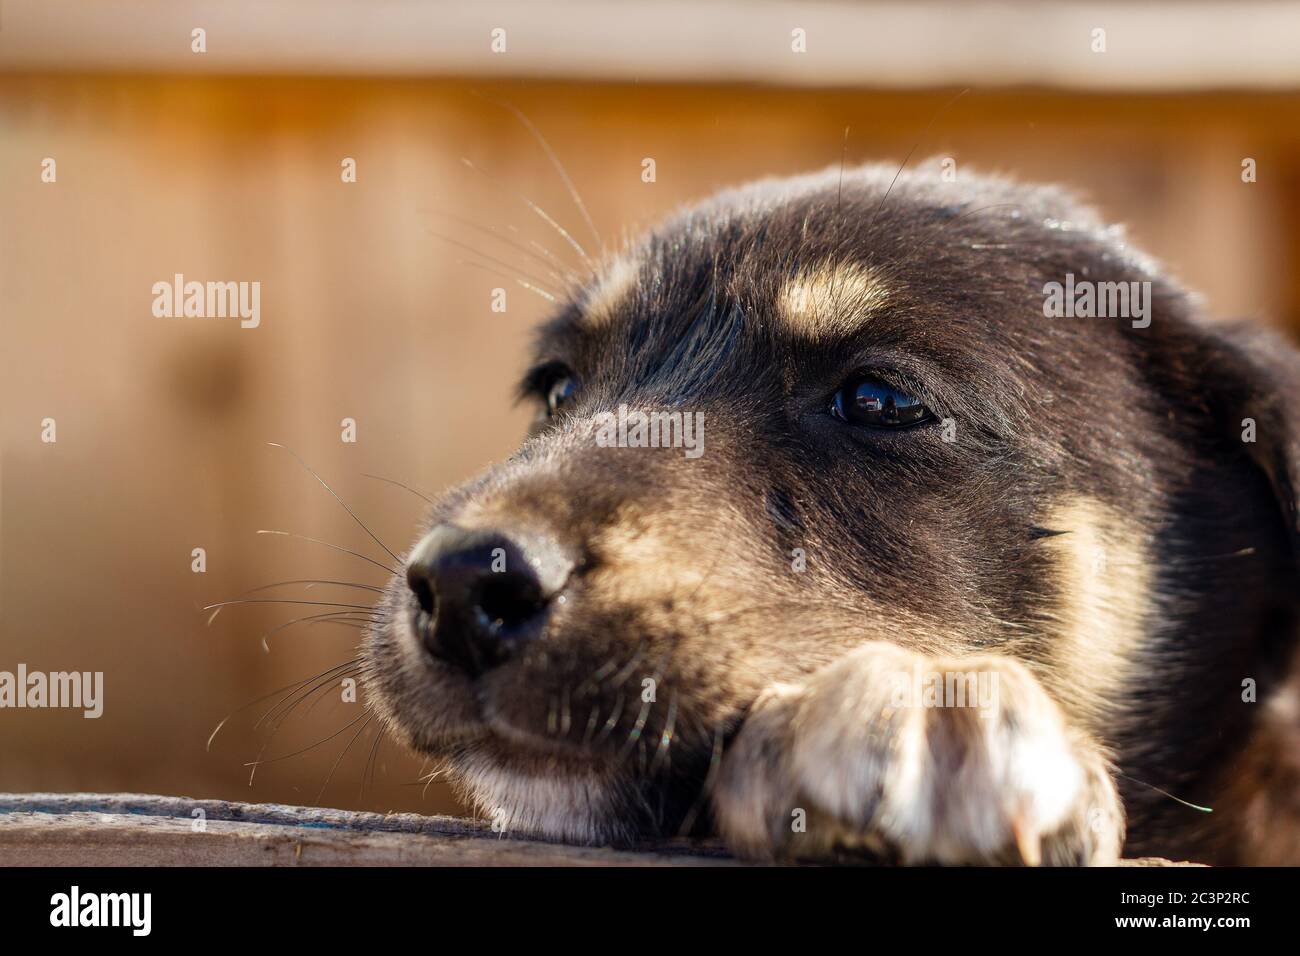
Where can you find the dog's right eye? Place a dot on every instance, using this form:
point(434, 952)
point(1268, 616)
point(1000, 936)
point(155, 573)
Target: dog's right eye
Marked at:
point(871, 402)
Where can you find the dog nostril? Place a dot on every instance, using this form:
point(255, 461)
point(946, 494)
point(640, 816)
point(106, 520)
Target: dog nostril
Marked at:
point(423, 590)
point(509, 600)
point(484, 592)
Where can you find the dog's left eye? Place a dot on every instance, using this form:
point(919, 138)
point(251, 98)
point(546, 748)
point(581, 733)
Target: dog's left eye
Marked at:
point(869, 401)
point(559, 393)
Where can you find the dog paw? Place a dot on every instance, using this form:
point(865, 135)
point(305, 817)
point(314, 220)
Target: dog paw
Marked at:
point(918, 760)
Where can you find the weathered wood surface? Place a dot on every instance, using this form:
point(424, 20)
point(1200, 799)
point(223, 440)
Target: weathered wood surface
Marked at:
point(127, 829)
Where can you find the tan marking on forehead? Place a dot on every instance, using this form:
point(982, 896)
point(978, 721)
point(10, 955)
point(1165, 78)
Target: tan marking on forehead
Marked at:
point(600, 302)
point(1103, 575)
point(831, 300)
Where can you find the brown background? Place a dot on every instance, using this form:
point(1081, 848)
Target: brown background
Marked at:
point(369, 313)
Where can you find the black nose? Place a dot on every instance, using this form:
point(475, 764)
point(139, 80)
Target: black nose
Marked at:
point(483, 594)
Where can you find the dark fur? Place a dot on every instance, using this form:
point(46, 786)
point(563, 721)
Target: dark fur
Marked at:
point(909, 539)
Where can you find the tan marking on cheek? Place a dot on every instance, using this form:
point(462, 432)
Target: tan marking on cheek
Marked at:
point(611, 290)
point(831, 299)
point(644, 562)
point(1103, 573)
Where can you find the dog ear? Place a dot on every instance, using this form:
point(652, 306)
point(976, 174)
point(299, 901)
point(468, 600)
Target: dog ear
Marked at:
point(1247, 379)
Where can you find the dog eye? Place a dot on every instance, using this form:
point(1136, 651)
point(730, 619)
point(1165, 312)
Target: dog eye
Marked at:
point(559, 393)
point(869, 401)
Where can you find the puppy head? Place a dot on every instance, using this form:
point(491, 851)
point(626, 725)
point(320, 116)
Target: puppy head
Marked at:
point(802, 415)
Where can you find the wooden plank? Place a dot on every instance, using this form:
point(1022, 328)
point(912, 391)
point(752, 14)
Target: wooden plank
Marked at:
point(127, 829)
point(1170, 44)
point(85, 829)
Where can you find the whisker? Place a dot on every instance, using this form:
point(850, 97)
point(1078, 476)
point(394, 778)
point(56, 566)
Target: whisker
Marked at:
point(399, 485)
point(333, 617)
point(598, 675)
point(634, 733)
point(837, 221)
point(297, 753)
point(566, 275)
point(666, 738)
point(638, 727)
point(514, 270)
point(324, 678)
point(317, 702)
point(541, 255)
point(715, 761)
point(943, 109)
point(252, 703)
point(356, 554)
point(518, 281)
point(1166, 793)
point(343, 503)
point(555, 162)
point(614, 716)
point(322, 682)
point(428, 781)
point(625, 675)
point(371, 766)
point(592, 722)
point(221, 604)
point(310, 581)
point(335, 767)
point(564, 233)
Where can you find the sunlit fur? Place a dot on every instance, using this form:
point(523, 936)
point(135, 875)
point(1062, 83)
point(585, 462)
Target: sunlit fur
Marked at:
point(1096, 518)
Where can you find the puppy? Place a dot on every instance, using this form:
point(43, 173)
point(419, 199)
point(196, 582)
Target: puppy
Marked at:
point(851, 523)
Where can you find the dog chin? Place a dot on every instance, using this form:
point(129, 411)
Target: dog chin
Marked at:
point(541, 797)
